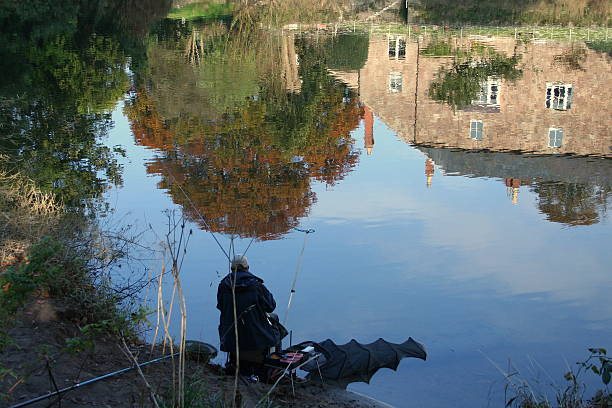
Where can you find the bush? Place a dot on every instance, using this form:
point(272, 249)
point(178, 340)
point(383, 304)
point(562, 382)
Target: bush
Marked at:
point(572, 395)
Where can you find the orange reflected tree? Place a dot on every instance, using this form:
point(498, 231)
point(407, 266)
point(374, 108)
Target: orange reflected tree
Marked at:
point(249, 169)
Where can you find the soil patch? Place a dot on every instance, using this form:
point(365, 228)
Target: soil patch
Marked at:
point(38, 362)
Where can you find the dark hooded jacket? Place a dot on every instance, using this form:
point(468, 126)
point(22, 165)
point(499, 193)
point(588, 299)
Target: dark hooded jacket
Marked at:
point(253, 301)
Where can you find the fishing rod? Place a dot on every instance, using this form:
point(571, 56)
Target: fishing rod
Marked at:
point(91, 381)
point(297, 270)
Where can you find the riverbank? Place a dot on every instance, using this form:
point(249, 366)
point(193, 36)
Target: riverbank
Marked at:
point(63, 322)
point(44, 355)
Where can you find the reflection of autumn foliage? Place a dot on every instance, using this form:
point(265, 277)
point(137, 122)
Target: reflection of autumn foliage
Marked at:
point(241, 170)
point(330, 160)
point(572, 203)
point(251, 199)
point(147, 126)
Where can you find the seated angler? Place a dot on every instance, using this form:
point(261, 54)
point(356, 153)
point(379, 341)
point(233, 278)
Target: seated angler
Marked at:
point(258, 331)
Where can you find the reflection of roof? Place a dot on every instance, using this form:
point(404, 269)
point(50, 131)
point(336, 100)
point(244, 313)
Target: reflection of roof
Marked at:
point(567, 169)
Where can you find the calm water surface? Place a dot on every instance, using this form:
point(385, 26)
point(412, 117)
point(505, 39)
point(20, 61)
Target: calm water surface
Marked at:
point(459, 186)
point(464, 219)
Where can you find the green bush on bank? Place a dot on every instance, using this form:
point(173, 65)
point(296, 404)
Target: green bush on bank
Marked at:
point(572, 394)
point(55, 270)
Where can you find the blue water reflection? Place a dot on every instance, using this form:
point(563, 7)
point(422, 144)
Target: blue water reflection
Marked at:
point(455, 265)
point(440, 230)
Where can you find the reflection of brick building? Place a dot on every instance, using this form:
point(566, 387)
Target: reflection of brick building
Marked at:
point(551, 109)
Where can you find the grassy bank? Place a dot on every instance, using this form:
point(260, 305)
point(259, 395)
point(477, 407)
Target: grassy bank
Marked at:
point(59, 261)
point(537, 12)
point(522, 393)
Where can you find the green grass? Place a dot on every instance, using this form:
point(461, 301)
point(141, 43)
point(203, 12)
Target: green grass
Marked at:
point(605, 47)
point(202, 11)
point(521, 394)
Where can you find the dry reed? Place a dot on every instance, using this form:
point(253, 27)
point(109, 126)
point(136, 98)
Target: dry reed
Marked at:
point(175, 249)
point(26, 215)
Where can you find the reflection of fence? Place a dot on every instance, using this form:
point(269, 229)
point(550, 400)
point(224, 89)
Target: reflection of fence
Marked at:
point(520, 33)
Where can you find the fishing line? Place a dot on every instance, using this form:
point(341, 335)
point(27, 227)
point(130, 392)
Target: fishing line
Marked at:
point(298, 267)
point(297, 270)
point(197, 211)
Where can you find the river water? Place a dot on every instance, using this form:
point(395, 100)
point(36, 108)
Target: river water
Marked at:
point(458, 185)
point(477, 224)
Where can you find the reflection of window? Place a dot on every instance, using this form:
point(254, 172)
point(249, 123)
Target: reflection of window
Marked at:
point(395, 82)
point(555, 137)
point(559, 96)
point(397, 47)
point(476, 129)
point(489, 93)
point(347, 96)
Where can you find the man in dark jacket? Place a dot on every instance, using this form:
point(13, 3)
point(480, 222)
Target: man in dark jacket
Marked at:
point(256, 331)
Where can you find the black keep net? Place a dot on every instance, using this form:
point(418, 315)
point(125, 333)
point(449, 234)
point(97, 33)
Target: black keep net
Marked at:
point(355, 362)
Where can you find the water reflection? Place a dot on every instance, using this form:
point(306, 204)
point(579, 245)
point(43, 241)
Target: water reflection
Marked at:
point(254, 125)
point(469, 94)
point(572, 191)
point(244, 121)
point(60, 79)
point(239, 131)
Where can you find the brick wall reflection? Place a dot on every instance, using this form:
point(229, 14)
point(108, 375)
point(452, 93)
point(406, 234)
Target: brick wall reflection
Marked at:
point(520, 121)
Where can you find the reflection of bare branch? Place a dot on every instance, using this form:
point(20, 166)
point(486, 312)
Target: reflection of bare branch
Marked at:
point(269, 12)
point(194, 49)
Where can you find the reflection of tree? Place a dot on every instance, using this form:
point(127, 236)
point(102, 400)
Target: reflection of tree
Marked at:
point(346, 52)
point(248, 167)
point(54, 113)
point(572, 203)
point(63, 78)
point(460, 84)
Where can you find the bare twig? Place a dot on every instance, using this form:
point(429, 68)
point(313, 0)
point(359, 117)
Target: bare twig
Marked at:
point(129, 353)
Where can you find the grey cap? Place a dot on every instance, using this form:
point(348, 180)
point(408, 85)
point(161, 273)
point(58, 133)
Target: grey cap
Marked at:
point(240, 260)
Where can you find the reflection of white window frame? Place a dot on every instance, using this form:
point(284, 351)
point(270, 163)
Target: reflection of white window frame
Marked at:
point(559, 96)
point(476, 130)
point(346, 98)
point(395, 82)
point(396, 45)
point(489, 92)
point(555, 137)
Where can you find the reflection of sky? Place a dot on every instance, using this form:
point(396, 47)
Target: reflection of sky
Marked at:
point(456, 266)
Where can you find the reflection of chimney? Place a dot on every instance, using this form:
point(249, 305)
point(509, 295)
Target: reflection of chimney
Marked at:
point(512, 188)
point(429, 171)
point(368, 117)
